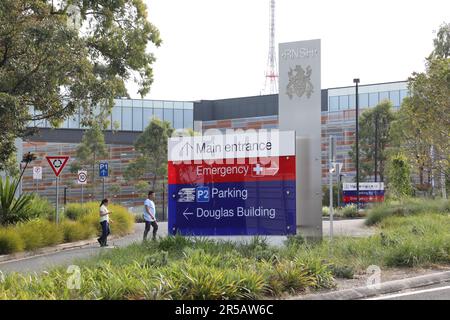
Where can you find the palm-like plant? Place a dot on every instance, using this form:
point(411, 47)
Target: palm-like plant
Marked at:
point(12, 209)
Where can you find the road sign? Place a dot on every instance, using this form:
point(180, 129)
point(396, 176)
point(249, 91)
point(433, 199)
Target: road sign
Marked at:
point(37, 173)
point(103, 169)
point(368, 192)
point(82, 177)
point(236, 184)
point(57, 163)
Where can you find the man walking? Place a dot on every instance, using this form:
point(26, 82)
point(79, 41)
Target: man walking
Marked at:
point(150, 215)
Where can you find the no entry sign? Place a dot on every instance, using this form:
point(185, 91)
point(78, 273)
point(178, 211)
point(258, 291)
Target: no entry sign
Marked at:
point(235, 184)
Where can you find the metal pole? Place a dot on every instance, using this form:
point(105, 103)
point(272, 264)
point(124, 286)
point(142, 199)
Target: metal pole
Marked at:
point(356, 81)
point(376, 146)
point(82, 195)
point(57, 204)
point(164, 200)
point(103, 187)
point(330, 172)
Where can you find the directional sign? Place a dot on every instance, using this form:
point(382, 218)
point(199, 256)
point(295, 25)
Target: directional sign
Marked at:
point(82, 177)
point(37, 173)
point(238, 184)
point(103, 169)
point(368, 192)
point(57, 163)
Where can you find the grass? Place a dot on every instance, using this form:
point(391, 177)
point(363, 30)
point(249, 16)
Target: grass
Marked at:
point(406, 207)
point(79, 223)
point(200, 268)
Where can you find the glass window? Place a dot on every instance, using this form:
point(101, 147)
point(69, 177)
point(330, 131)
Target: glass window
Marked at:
point(168, 116)
point(394, 96)
point(343, 102)
point(137, 119)
point(137, 103)
point(363, 100)
point(178, 105)
point(384, 95)
point(148, 115)
point(188, 119)
point(178, 119)
point(403, 95)
point(157, 104)
point(147, 104)
point(127, 103)
point(117, 118)
point(168, 105)
point(351, 101)
point(188, 105)
point(373, 99)
point(334, 104)
point(158, 114)
point(118, 102)
point(127, 119)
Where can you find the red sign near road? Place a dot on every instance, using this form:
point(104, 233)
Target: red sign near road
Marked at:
point(57, 163)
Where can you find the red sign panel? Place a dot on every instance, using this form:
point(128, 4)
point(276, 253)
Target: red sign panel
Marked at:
point(57, 163)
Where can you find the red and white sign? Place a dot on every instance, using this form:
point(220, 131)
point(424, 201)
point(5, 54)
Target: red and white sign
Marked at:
point(57, 163)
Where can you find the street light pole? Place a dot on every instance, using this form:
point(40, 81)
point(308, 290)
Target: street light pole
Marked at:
point(356, 82)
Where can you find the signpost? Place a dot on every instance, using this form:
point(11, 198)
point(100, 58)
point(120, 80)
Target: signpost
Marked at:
point(57, 163)
point(103, 172)
point(235, 184)
point(37, 175)
point(82, 180)
point(368, 192)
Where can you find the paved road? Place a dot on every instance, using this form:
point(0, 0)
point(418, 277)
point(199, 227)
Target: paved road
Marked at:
point(45, 262)
point(435, 292)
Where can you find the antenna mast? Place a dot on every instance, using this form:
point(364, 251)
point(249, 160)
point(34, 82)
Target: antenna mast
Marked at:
point(271, 83)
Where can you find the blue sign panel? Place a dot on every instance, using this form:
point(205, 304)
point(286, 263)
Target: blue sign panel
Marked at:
point(240, 208)
point(103, 169)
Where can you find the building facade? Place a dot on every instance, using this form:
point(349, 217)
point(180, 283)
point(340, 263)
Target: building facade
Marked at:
point(129, 117)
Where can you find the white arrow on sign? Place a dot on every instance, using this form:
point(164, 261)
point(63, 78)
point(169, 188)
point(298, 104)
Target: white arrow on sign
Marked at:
point(185, 214)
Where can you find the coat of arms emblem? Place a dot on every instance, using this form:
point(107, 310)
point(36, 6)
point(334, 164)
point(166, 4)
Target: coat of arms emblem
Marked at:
point(299, 82)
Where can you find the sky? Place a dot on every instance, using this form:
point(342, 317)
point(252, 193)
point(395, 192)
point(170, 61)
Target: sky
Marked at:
point(216, 49)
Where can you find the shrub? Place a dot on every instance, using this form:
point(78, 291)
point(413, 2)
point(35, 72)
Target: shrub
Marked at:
point(350, 211)
point(10, 241)
point(325, 211)
point(406, 207)
point(76, 231)
point(76, 211)
point(12, 209)
point(41, 208)
point(31, 234)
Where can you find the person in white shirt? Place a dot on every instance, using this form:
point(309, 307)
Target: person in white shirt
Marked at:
point(150, 215)
point(104, 222)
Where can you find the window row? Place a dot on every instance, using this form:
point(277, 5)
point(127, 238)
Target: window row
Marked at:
point(337, 103)
point(131, 118)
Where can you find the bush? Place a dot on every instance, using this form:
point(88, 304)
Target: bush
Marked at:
point(31, 234)
point(350, 211)
point(405, 208)
point(76, 211)
point(10, 241)
point(76, 231)
point(326, 211)
point(41, 208)
point(12, 209)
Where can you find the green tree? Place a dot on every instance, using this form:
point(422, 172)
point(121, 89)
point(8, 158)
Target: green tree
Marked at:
point(424, 121)
point(57, 67)
point(399, 177)
point(152, 148)
point(374, 139)
point(89, 153)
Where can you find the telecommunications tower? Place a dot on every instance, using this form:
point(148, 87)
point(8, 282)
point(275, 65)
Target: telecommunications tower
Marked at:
point(271, 83)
